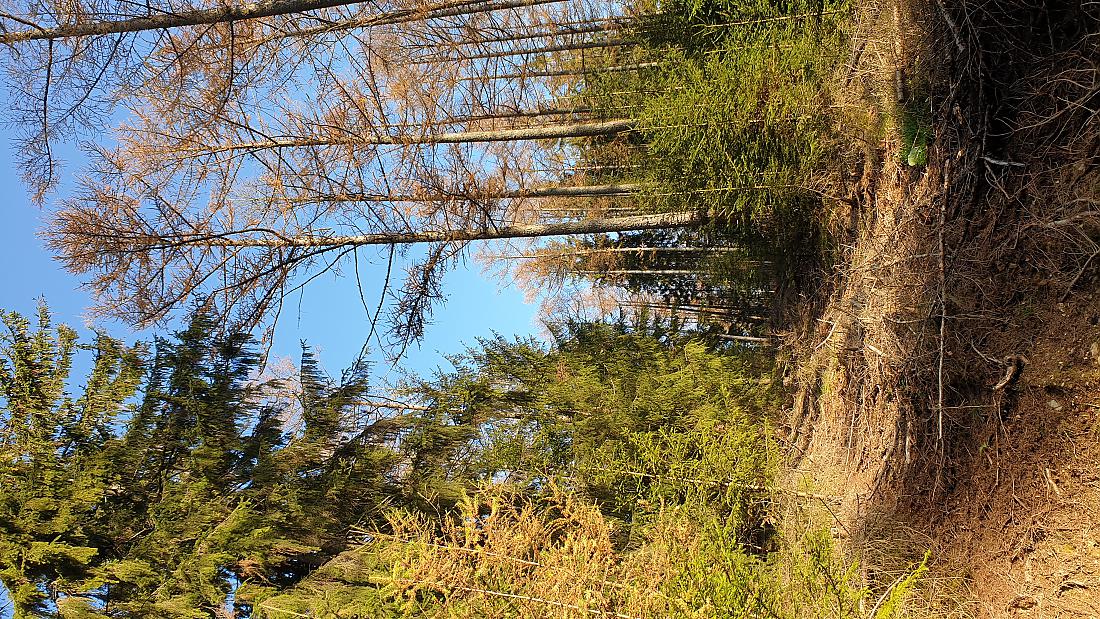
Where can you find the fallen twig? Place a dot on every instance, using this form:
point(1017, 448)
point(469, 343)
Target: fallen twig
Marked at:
point(1014, 364)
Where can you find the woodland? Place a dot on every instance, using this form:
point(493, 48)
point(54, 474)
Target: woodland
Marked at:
point(817, 279)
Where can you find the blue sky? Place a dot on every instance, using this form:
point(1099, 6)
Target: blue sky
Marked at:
point(329, 314)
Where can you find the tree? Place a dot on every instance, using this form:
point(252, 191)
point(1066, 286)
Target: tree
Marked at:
point(578, 463)
point(426, 135)
point(160, 492)
point(54, 472)
point(238, 192)
point(521, 412)
point(173, 491)
point(413, 143)
point(82, 61)
point(154, 259)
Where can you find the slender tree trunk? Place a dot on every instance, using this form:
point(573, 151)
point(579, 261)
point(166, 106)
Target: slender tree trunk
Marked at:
point(460, 137)
point(254, 10)
point(394, 406)
point(590, 28)
point(604, 250)
point(746, 338)
point(564, 72)
point(564, 47)
point(732, 312)
point(541, 192)
point(444, 9)
point(641, 272)
point(583, 211)
point(267, 238)
point(458, 120)
point(699, 319)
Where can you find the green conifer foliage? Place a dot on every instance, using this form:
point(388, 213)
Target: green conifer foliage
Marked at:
point(618, 473)
point(614, 412)
point(168, 490)
point(732, 120)
point(54, 475)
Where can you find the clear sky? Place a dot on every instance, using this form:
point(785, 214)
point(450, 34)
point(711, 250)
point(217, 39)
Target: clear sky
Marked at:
point(329, 314)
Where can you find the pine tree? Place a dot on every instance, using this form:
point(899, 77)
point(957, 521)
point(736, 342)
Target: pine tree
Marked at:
point(606, 474)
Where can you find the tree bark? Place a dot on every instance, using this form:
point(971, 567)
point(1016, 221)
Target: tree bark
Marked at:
point(252, 10)
point(275, 240)
point(460, 137)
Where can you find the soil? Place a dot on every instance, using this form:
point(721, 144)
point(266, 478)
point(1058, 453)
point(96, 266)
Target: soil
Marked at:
point(1024, 519)
point(948, 378)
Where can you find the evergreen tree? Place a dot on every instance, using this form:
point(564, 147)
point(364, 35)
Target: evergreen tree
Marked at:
point(171, 490)
point(54, 472)
point(608, 473)
point(605, 397)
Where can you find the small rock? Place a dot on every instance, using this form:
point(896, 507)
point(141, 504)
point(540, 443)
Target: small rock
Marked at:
point(1055, 405)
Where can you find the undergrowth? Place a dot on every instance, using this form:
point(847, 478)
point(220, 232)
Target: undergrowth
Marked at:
point(506, 554)
point(733, 120)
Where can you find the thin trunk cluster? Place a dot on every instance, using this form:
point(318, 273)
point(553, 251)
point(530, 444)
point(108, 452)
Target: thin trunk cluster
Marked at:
point(438, 124)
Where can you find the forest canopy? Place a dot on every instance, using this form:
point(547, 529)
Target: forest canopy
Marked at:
point(658, 163)
point(245, 151)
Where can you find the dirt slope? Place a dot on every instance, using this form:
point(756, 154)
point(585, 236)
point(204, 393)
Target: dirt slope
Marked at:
point(949, 378)
point(1024, 519)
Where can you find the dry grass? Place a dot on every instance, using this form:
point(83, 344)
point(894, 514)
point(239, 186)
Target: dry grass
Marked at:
point(508, 555)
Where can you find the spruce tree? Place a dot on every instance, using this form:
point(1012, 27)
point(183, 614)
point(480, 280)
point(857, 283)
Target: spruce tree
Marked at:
point(54, 470)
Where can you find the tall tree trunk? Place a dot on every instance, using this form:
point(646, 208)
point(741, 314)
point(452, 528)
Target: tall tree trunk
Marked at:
point(603, 250)
point(595, 27)
point(397, 406)
point(269, 238)
point(458, 9)
point(733, 312)
point(540, 192)
point(564, 47)
point(506, 115)
point(640, 272)
point(253, 10)
point(746, 338)
point(563, 72)
point(460, 137)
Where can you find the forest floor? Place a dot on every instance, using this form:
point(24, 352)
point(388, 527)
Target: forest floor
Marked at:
point(947, 379)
